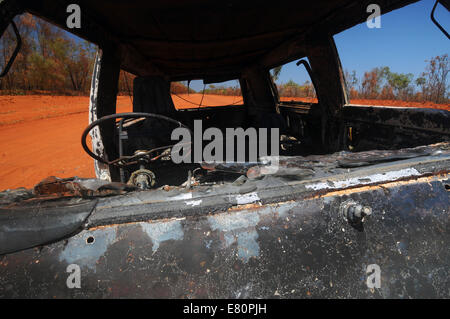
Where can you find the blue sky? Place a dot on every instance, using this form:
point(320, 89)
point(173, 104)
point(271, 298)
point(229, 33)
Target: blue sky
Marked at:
point(406, 39)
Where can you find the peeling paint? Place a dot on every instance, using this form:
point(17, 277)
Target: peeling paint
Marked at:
point(238, 228)
point(247, 198)
point(182, 196)
point(230, 222)
point(163, 231)
point(78, 251)
point(328, 197)
point(375, 178)
point(280, 210)
point(194, 202)
point(248, 245)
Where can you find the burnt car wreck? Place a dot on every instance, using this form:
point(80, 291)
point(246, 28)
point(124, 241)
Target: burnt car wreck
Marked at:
point(355, 185)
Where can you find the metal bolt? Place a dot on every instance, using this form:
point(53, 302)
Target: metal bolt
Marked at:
point(355, 213)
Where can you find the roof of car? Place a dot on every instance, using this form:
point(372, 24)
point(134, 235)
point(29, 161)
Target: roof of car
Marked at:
point(181, 37)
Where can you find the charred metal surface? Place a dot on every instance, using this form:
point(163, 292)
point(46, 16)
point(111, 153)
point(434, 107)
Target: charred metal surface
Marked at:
point(53, 188)
point(328, 73)
point(293, 249)
point(28, 225)
point(10, 196)
point(301, 167)
point(101, 170)
point(372, 127)
point(8, 10)
point(298, 179)
point(393, 127)
point(276, 237)
point(308, 230)
point(432, 120)
point(270, 189)
point(103, 97)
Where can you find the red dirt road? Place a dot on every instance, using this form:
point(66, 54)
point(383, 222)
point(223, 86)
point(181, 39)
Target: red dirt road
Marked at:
point(40, 135)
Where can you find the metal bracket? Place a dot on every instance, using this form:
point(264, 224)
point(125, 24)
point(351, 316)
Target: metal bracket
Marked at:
point(16, 51)
point(436, 22)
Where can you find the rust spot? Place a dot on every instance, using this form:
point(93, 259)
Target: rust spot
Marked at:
point(134, 223)
point(253, 206)
point(53, 187)
point(384, 185)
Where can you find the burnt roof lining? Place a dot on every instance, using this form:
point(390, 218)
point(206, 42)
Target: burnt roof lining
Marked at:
point(137, 61)
point(190, 18)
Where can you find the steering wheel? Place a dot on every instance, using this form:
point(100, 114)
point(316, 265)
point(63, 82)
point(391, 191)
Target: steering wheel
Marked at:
point(126, 160)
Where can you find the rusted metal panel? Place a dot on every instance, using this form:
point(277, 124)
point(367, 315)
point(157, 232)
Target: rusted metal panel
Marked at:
point(375, 127)
point(287, 236)
point(432, 120)
point(297, 248)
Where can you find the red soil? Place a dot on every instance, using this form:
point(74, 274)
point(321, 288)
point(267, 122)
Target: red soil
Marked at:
point(181, 100)
point(380, 102)
point(40, 135)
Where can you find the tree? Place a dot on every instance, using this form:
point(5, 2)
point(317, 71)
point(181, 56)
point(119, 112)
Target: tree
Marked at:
point(399, 83)
point(421, 82)
point(17, 77)
point(276, 73)
point(372, 82)
point(49, 59)
point(351, 82)
point(435, 87)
